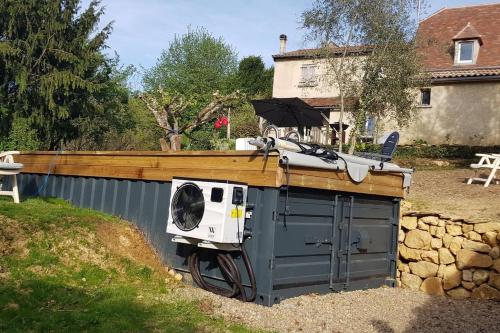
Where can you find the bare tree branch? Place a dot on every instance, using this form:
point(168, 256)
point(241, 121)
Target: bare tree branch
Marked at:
point(169, 110)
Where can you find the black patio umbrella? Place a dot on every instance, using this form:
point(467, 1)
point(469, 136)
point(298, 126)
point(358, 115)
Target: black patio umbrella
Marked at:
point(288, 112)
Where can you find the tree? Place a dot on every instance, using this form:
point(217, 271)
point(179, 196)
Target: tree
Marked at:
point(111, 116)
point(145, 134)
point(194, 67)
point(244, 122)
point(253, 77)
point(52, 69)
point(256, 81)
point(169, 112)
point(377, 63)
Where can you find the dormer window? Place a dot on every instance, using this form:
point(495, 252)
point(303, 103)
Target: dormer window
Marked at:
point(467, 43)
point(466, 52)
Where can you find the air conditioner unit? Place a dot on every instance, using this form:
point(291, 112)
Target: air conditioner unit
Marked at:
point(209, 211)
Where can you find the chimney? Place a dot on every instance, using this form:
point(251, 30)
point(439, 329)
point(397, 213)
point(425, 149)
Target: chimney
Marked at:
point(282, 43)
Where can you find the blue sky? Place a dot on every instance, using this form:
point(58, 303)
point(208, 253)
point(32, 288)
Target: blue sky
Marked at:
point(142, 29)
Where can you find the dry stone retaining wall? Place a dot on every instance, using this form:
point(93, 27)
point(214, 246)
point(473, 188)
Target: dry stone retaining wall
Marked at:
point(441, 255)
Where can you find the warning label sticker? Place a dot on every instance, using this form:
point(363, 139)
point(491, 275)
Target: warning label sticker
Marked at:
point(237, 213)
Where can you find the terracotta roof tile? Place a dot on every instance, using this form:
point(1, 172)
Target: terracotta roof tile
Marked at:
point(465, 72)
point(436, 33)
point(322, 102)
point(327, 101)
point(315, 52)
point(468, 32)
point(435, 39)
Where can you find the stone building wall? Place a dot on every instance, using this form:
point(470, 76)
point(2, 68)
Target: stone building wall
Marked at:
point(441, 255)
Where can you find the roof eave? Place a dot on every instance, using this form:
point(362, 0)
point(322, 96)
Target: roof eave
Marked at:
point(317, 56)
point(292, 57)
point(460, 79)
point(480, 40)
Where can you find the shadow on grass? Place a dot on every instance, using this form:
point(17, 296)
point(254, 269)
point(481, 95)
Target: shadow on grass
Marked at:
point(41, 306)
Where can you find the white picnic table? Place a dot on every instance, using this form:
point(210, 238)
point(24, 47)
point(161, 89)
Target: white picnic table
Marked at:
point(9, 168)
point(486, 161)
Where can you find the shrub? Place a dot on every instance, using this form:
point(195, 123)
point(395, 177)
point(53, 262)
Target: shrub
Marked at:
point(433, 151)
point(21, 137)
point(244, 122)
point(223, 144)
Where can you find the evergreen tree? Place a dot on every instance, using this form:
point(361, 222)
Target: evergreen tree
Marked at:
point(52, 69)
point(253, 77)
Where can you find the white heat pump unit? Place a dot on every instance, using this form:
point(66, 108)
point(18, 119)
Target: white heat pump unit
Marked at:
point(209, 211)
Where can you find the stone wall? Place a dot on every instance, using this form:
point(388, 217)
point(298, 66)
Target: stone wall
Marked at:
point(441, 255)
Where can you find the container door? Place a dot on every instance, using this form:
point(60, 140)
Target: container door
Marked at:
point(363, 251)
point(303, 239)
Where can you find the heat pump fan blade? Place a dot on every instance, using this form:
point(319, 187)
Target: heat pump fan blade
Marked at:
point(188, 206)
point(196, 205)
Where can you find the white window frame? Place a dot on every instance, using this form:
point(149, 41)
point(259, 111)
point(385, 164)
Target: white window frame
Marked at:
point(471, 61)
point(310, 79)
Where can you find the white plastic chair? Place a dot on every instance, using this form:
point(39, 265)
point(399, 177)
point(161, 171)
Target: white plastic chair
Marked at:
point(487, 161)
point(9, 168)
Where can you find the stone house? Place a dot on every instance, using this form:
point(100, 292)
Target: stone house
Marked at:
point(461, 53)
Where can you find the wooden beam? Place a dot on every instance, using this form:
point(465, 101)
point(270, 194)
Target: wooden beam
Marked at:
point(250, 177)
point(240, 166)
point(385, 184)
point(174, 161)
point(254, 153)
point(344, 185)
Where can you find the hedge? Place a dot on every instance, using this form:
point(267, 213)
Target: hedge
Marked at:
point(434, 151)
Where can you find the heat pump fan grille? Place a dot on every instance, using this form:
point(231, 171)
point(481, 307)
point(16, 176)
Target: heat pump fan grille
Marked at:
point(188, 206)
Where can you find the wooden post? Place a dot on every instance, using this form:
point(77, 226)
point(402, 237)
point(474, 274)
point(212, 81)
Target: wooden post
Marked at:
point(228, 135)
point(328, 133)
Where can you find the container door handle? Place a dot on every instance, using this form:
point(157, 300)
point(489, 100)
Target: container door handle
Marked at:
point(318, 241)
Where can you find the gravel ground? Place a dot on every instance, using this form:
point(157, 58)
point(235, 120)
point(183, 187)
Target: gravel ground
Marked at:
point(383, 309)
point(376, 310)
point(446, 191)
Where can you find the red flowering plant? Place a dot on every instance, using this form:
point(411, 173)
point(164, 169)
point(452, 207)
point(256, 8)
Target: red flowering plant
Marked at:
point(221, 122)
point(219, 140)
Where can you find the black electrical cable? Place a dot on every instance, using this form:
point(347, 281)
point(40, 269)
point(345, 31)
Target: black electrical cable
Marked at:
point(230, 272)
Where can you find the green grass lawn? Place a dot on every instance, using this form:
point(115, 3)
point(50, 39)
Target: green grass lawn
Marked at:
point(56, 275)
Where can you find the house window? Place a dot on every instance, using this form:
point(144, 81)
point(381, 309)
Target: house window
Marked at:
point(369, 126)
point(308, 75)
point(465, 52)
point(425, 97)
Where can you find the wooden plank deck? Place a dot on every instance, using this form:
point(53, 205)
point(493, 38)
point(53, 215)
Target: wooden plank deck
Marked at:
point(238, 166)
